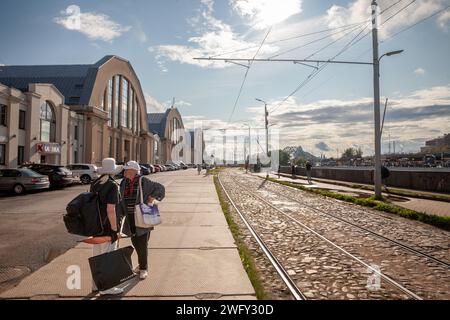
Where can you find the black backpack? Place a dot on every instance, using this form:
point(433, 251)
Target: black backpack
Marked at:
point(83, 216)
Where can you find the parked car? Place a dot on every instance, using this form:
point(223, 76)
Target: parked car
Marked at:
point(158, 168)
point(21, 180)
point(182, 165)
point(170, 167)
point(85, 172)
point(148, 166)
point(144, 170)
point(152, 168)
point(59, 176)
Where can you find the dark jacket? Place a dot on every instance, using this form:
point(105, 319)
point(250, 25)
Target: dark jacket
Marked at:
point(151, 189)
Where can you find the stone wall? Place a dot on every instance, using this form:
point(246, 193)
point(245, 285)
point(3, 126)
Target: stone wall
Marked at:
point(426, 180)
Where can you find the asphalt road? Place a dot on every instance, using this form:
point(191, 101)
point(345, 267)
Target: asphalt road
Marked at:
point(32, 231)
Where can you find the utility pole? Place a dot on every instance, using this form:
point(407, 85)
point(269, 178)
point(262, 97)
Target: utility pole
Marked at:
point(376, 104)
point(390, 143)
point(247, 158)
point(266, 125)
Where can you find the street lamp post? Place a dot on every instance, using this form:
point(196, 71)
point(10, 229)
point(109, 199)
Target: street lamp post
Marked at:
point(266, 122)
point(376, 97)
point(249, 149)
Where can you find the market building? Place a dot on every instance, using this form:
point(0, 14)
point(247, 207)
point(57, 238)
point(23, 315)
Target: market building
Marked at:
point(63, 114)
point(169, 128)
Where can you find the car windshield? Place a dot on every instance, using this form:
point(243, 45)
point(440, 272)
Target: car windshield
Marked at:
point(63, 169)
point(30, 173)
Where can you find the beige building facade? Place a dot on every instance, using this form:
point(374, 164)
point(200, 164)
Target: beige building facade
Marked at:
point(73, 114)
point(169, 129)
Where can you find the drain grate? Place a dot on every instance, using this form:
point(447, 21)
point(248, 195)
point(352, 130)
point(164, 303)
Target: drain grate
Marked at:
point(10, 273)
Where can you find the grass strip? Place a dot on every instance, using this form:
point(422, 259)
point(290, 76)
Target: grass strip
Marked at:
point(244, 251)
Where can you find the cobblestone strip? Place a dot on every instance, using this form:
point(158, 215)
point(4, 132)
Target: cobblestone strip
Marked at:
point(421, 275)
point(319, 270)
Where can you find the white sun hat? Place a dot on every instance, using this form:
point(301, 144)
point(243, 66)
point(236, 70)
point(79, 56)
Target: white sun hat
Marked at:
point(109, 167)
point(132, 165)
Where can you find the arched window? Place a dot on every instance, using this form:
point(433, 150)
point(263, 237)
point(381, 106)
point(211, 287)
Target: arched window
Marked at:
point(121, 95)
point(48, 123)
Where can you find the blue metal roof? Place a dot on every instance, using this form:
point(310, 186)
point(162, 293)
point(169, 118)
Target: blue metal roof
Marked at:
point(157, 122)
point(75, 82)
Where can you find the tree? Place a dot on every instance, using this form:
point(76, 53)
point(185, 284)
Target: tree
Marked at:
point(349, 153)
point(300, 161)
point(284, 158)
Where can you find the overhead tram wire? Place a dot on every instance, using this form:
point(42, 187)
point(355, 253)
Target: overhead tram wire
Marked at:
point(345, 27)
point(315, 72)
point(350, 44)
point(246, 74)
point(390, 37)
point(403, 8)
point(418, 22)
point(386, 9)
point(317, 40)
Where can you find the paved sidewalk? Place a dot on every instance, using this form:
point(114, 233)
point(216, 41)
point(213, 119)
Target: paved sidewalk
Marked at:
point(440, 208)
point(192, 255)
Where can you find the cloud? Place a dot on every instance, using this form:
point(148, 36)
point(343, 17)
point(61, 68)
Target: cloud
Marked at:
point(322, 146)
point(214, 38)
point(265, 13)
point(360, 10)
point(94, 25)
point(419, 71)
point(411, 119)
point(153, 105)
point(443, 20)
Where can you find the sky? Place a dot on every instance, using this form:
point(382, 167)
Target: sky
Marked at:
point(333, 106)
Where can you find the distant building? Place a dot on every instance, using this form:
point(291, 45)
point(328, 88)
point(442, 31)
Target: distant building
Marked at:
point(169, 128)
point(63, 114)
point(438, 145)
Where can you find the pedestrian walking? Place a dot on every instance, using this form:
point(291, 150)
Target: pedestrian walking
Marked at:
point(108, 197)
point(385, 173)
point(130, 191)
point(199, 169)
point(308, 167)
point(293, 171)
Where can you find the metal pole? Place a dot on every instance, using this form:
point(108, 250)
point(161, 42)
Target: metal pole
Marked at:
point(376, 97)
point(249, 148)
point(267, 135)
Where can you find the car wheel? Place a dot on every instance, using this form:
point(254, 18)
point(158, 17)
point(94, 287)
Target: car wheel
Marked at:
point(19, 189)
point(85, 179)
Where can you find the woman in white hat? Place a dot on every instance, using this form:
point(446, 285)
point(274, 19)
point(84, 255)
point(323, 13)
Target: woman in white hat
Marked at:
point(151, 191)
point(109, 197)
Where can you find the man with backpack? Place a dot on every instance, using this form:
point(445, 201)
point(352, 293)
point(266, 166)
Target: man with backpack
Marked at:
point(108, 197)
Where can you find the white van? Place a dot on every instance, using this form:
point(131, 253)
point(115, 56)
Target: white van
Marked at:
point(84, 171)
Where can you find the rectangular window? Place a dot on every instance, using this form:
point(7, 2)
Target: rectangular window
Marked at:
point(117, 149)
point(20, 155)
point(45, 131)
point(22, 116)
point(110, 154)
point(124, 104)
point(3, 115)
point(134, 114)
point(110, 101)
point(75, 133)
point(75, 156)
point(130, 108)
point(117, 101)
point(2, 154)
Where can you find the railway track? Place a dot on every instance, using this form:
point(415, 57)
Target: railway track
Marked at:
point(343, 259)
point(364, 229)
